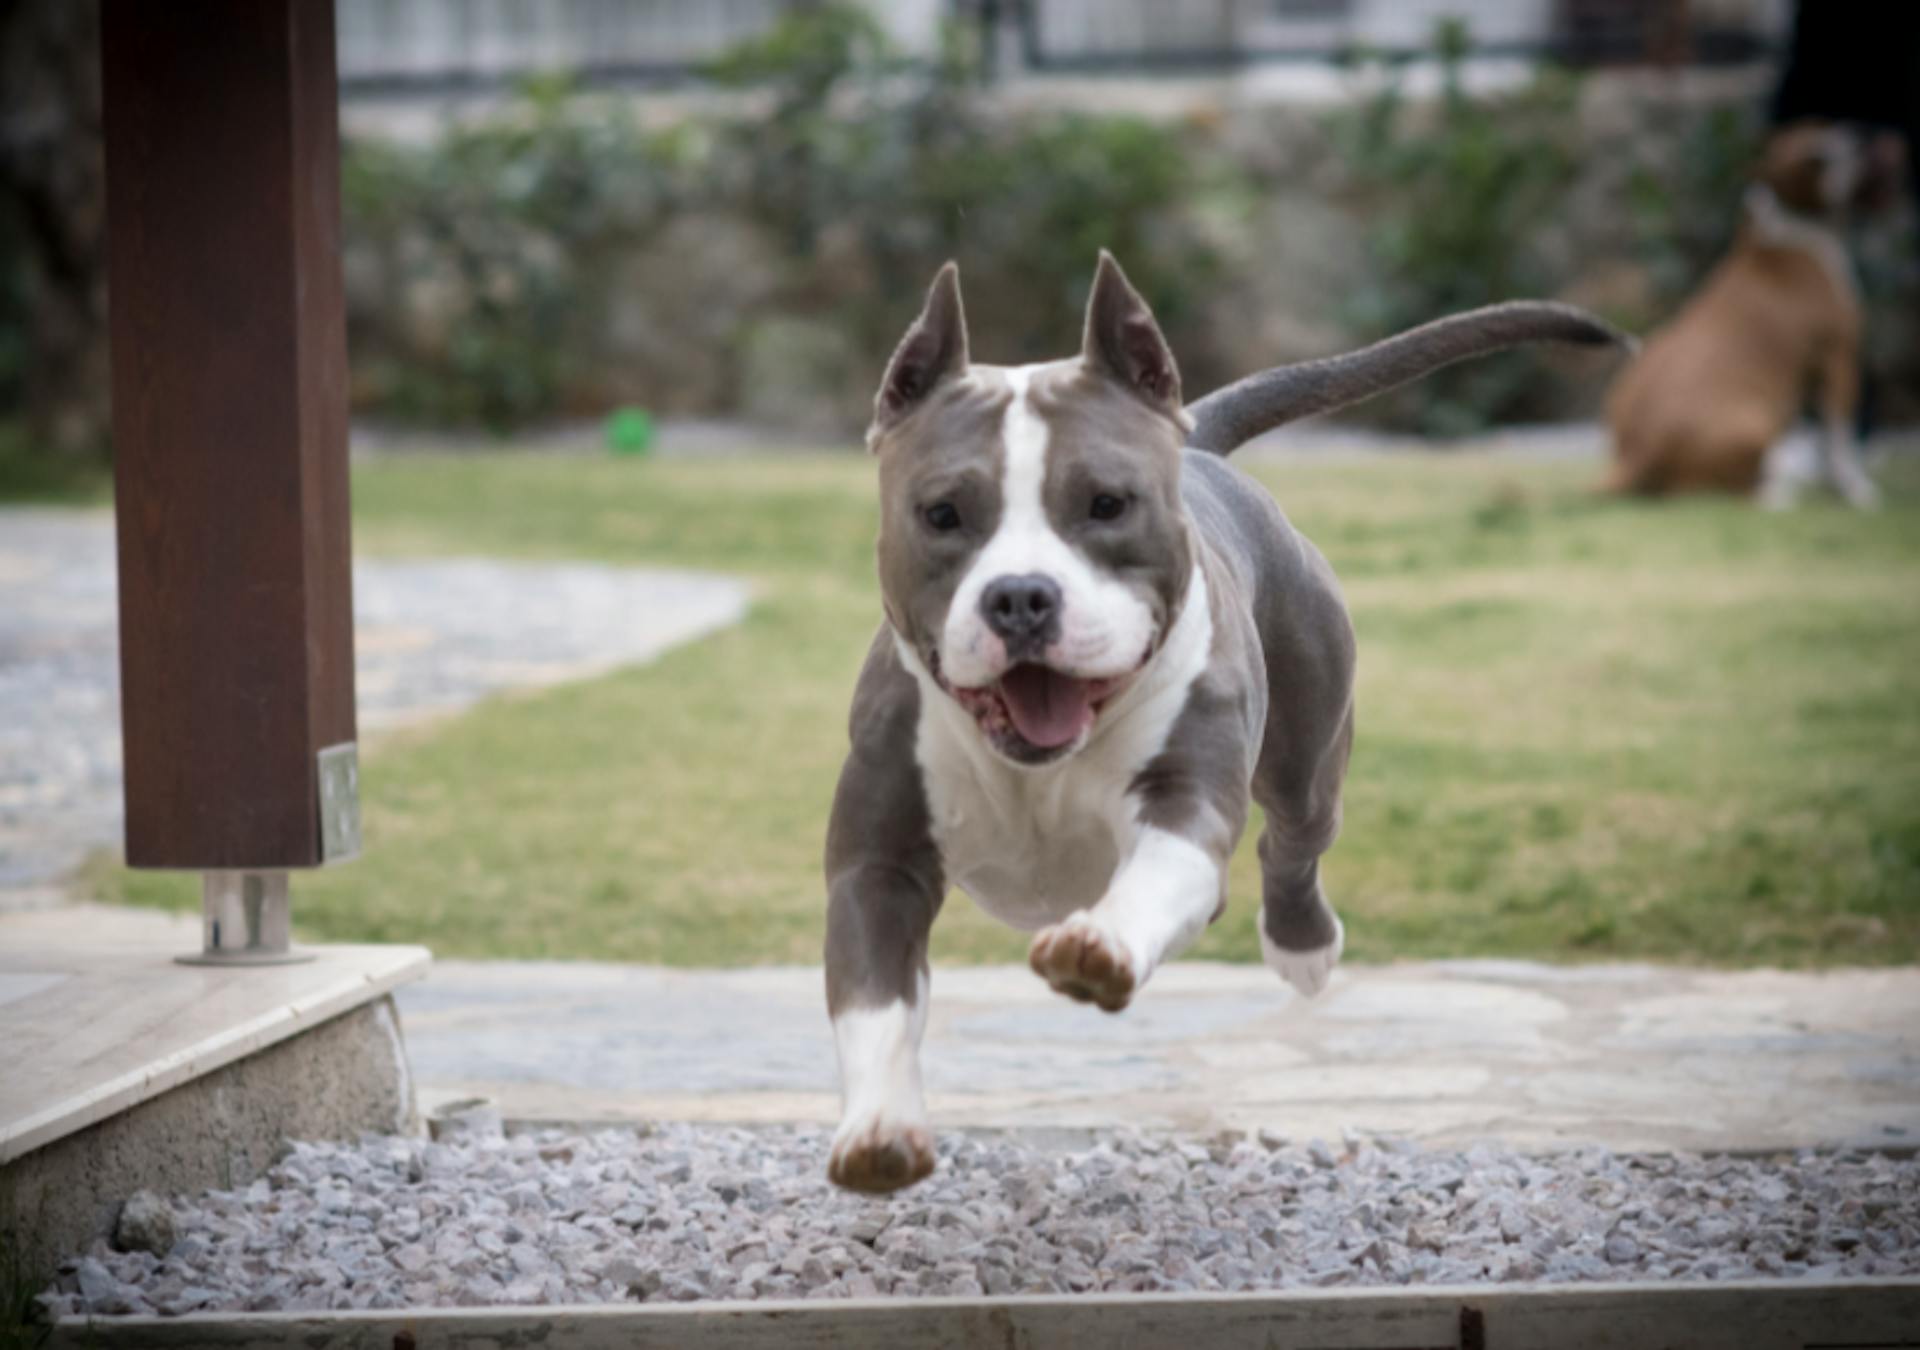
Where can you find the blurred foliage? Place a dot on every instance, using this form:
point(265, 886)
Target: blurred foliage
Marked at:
point(16, 320)
point(492, 232)
point(1456, 193)
point(756, 246)
point(865, 171)
point(29, 474)
point(1675, 238)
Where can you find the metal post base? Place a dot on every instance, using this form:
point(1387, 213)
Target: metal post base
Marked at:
point(247, 921)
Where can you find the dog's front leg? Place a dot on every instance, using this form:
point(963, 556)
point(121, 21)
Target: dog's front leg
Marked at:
point(877, 925)
point(885, 883)
point(1158, 901)
point(1839, 396)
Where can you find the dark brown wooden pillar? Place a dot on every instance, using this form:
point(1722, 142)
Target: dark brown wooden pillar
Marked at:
point(230, 434)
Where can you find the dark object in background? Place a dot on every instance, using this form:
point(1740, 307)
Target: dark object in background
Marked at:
point(53, 242)
point(1855, 63)
point(1653, 32)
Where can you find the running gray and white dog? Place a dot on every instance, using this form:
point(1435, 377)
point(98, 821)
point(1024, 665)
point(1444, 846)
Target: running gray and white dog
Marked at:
point(1101, 639)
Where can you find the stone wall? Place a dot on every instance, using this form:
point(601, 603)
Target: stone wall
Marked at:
point(711, 311)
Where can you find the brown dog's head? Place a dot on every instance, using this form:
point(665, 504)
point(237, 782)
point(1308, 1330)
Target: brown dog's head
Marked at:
point(1828, 168)
point(1033, 546)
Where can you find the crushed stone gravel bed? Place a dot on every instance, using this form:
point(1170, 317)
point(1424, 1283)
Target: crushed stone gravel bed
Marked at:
point(704, 1212)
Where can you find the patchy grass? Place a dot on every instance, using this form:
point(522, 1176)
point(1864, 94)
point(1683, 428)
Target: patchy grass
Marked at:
point(1588, 729)
point(30, 475)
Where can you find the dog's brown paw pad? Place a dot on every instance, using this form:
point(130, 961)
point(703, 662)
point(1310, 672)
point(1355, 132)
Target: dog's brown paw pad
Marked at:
point(878, 1155)
point(1083, 961)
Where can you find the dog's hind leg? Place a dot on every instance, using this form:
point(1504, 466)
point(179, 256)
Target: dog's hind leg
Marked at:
point(1300, 935)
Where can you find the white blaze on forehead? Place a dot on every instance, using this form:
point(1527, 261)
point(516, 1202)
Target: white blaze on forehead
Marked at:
point(1105, 627)
point(1840, 171)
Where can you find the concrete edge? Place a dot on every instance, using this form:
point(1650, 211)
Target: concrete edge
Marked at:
point(337, 1079)
point(1736, 1315)
point(403, 965)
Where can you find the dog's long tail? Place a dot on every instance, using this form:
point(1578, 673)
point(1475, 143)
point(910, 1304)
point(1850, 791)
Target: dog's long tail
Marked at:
point(1228, 418)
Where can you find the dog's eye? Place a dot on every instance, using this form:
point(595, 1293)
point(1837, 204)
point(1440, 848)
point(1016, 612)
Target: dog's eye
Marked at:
point(943, 516)
point(1106, 506)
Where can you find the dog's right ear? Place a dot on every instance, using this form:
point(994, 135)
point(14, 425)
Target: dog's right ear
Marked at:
point(934, 350)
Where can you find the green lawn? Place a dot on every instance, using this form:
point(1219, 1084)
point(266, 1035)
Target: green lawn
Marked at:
point(1588, 729)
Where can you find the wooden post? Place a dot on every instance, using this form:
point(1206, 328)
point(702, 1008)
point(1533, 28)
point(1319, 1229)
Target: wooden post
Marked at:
point(228, 327)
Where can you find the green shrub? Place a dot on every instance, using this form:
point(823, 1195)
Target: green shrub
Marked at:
point(482, 258)
point(1456, 196)
point(768, 253)
point(1684, 212)
point(482, 247)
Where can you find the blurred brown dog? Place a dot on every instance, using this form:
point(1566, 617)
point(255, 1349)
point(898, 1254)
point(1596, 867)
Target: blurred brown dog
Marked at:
point(1712, 392)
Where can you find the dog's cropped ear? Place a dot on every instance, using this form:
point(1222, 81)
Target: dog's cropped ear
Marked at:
point(933, 350)
point(1123, 341)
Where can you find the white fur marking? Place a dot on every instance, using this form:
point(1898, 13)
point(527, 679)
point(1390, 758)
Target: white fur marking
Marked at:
point(1840, 174)
point(1105, 627)
point(1160, 899)
point(1308, 971)
point(1841, 456)
point(1781, 228)
point(1033, 844)
point(879, 1051)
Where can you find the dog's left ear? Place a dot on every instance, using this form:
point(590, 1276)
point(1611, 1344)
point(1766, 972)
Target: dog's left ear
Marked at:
point(934, 350)
point(1123, 341)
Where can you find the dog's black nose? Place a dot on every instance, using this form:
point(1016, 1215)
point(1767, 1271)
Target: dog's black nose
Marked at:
point(1023, 612)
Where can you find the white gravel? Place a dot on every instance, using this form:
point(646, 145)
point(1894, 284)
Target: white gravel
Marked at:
point(704, 1212)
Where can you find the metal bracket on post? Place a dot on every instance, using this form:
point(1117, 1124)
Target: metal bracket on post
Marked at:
point(339, 770)
point(247, 921)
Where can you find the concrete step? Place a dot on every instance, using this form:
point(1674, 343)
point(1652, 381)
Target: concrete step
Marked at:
point(122, 1069)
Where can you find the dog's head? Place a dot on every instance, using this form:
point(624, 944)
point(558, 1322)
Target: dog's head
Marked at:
point(1826, 168)
point(1033, 546)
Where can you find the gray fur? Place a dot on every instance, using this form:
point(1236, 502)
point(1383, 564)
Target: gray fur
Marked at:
point(1197, 785)
point(885, 881)
point(1271, 717)
point(1228, 418)
point(1307, 655)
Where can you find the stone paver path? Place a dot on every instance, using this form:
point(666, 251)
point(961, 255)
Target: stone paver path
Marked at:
point(1442, 1053)
point(432, 637)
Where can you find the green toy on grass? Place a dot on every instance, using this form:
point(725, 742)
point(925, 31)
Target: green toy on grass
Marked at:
point(630, 431)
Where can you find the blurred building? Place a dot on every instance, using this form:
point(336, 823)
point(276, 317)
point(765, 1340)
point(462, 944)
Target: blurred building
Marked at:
point(427, 46)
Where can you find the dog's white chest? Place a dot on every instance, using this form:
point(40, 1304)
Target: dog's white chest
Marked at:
point(1029, 849)
point(1032, 845)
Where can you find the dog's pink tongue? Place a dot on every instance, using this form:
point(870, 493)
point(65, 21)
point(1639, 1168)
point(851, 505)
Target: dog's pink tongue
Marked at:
point(1048, 708)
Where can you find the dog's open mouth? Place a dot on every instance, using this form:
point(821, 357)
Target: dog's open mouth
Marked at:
point(1034, 712)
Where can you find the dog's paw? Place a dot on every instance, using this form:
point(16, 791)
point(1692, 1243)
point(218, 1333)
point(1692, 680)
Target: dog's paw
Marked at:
point(1306, 971)
point(1860, 493)
point(877, 1155)
point(1082, 960)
